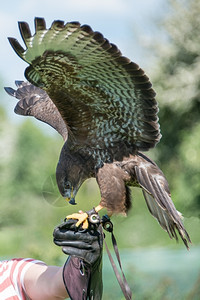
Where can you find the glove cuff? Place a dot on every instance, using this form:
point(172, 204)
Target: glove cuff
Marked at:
point(81, 281)
point(76, 278)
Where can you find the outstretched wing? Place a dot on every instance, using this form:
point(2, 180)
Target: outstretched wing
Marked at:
point(35, 102)
point(157, 195)
point(106, 100)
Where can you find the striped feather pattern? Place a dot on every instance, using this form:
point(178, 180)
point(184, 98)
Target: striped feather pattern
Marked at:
point(35, 102)
point(106, 100)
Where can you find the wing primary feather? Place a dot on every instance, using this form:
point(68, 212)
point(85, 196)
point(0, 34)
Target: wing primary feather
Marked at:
point(40, 24)
point(16, 46)
point(98, 37)
point(105, 45)
point(75, 23)
point(58, 24)
point(25, 31)
point(10, 91)
point(18, 83)
point(87, 29)
point(114, 50)
point(123, 60)
point(132, 66)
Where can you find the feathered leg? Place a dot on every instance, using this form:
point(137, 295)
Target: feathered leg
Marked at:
point(115, 196)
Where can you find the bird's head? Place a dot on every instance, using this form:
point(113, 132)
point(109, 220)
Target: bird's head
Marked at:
point(70, 174)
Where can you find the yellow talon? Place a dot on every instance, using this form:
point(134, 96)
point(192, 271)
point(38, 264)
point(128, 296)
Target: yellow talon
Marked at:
point(82, 219)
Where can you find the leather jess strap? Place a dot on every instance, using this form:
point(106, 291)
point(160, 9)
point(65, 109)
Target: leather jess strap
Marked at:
point(108, 226)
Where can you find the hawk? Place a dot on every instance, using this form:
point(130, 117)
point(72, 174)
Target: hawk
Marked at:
point(104, 107)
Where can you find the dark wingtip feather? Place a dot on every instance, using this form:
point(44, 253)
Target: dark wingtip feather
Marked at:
point(10, 91)
point(24, 30)
point(75, 23)
point(114, 50)
point(16, 46)
point(40, 24)
point(186, 241)
point(87, 28)
point(58, 24)
point(98, 37)
point(18, 83)
point(185, 237)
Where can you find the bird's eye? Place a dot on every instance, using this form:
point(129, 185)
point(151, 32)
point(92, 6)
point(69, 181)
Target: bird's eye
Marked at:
point(67, 185)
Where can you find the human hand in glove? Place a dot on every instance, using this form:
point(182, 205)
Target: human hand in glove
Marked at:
point(82, 272)
point(86, 244)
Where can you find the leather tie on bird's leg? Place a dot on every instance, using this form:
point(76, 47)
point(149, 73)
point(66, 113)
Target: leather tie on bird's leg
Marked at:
point(107, 224)
point(83, 217)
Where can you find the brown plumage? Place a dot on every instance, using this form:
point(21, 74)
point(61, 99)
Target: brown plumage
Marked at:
point(104, 107)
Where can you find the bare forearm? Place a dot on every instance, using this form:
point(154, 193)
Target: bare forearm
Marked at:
point(45, 283)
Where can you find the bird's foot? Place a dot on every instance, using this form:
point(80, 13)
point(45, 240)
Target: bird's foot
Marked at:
point(82, 219)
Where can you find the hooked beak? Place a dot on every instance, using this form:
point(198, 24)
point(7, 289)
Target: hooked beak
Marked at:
point(70, 196)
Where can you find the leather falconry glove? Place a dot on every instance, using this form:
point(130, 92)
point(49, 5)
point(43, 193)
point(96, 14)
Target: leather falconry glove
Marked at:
point(82, 272)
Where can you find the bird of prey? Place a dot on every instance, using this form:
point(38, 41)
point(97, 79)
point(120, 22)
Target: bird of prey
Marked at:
point(104, 107)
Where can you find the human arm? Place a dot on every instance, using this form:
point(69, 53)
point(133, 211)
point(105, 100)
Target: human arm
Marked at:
point(81, 275)
point(44, 282)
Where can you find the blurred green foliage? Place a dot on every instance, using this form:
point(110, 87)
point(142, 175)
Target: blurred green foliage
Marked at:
point(28, 159)
point(177, 82)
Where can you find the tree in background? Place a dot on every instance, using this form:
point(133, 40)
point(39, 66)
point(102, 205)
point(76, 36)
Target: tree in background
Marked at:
point(177, 82)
